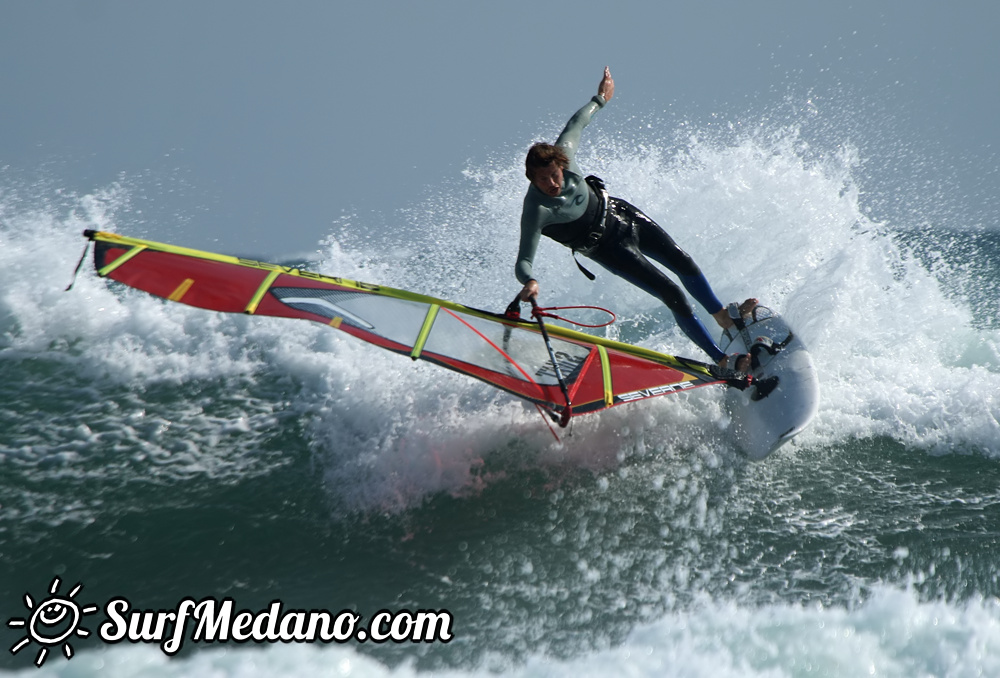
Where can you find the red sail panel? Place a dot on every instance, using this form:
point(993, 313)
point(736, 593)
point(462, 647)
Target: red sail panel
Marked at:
point(215, 286)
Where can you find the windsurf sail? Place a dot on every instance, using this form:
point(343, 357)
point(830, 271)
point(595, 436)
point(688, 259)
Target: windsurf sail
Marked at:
point(508, 353)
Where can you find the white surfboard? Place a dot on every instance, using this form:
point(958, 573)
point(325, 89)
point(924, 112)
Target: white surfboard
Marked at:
point(785, 393)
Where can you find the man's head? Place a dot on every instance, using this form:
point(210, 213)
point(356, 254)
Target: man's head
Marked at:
point(544, 167)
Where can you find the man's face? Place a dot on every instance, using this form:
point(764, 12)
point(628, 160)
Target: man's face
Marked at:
point(549, 179)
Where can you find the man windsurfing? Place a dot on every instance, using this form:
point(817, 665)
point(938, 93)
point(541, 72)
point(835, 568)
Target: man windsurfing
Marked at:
point(577, 212)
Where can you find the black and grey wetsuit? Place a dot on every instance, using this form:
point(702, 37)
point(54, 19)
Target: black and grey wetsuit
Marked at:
point(615, 234)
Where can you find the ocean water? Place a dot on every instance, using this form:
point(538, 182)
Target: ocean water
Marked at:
point(156, 452)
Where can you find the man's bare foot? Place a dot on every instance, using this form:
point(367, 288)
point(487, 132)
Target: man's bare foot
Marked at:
point(722, 315)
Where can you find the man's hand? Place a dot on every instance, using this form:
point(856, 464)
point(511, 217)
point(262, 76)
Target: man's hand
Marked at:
point(607, 87)
point(529, 292)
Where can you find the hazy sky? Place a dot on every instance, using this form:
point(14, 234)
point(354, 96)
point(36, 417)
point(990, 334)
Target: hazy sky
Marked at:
point(252, 126)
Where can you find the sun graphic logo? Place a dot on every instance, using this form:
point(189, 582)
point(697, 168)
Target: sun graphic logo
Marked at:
point(53, 621)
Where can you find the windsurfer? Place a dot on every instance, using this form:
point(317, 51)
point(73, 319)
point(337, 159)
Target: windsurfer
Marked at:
point(578, 213)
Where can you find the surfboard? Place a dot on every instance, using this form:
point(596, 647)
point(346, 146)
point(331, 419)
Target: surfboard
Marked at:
point(785, 395)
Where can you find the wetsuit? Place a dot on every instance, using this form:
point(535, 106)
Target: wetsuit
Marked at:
point(615, 234)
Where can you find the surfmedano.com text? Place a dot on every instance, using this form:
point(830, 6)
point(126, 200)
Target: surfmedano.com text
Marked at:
point(212, 621)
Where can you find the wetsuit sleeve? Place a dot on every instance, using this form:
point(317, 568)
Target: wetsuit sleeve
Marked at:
point(531, 233)
point(569, 138)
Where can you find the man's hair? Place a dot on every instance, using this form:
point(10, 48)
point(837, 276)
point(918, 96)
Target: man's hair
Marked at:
point(540, 155)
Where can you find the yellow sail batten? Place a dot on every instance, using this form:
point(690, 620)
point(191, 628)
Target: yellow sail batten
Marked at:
point(181, 290)
point(609, 394)
point(425, 330)
point(121, 260)
point(261, 291)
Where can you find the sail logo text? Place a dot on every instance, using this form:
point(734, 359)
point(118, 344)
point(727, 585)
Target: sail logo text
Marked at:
point(650, 392)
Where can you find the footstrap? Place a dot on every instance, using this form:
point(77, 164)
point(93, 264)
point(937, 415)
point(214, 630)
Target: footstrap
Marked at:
point(737, 318)
point(766, 345)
